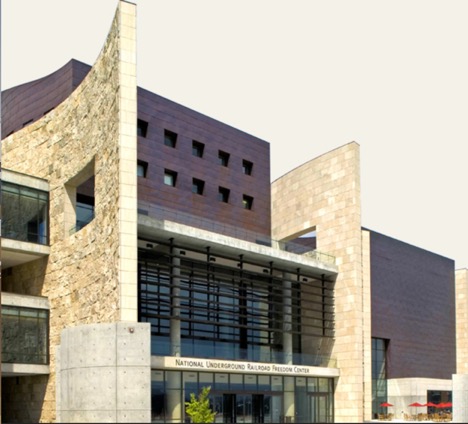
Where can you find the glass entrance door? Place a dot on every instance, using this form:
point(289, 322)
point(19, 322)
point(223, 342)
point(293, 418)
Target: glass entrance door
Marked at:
point(243, 408)
point(229, 408)
point(319, 412)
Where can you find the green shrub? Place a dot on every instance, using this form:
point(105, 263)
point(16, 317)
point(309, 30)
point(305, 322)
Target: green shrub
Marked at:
point(199, 409)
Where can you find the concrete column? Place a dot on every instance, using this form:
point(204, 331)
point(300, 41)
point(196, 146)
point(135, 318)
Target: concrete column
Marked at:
point(460, 398)
point(174, 395)
point(289, 406)
point(287, 320)
point(104, 373)
point(175, 305)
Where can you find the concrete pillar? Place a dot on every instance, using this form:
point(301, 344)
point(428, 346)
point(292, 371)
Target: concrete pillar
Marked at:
point(175, 304)
point(460, 398)
point(289, 406)
point(174, 395)
point(104, 373)
point(287, 320)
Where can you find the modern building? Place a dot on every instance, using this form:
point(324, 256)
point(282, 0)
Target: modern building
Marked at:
point(146, 255)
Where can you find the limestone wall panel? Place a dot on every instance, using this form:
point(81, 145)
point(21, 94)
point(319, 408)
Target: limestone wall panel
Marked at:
point(461, 293)
point(324, 194)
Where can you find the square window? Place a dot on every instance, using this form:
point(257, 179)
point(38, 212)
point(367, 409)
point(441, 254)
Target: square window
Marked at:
point(198, 186)
point(142, 128)
point(223, 194)
point(170, 138)
point(247, 167)
point(197, 149)
point(247, 201)
point(223, 158)
point(142, 168)
point(170, 177)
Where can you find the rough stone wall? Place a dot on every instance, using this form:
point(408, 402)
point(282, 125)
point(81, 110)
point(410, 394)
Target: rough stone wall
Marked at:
point(324, 194)
point(82, 274)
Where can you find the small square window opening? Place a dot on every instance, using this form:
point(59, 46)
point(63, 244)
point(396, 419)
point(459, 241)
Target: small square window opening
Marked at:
point(198, 186)
point(223, 194)
point(247, 202)
point(142, 128)
point(142, 168)
point(247, 167)
point(170, 177)
point(197, 149)
point(223, 158)
point(170, 138)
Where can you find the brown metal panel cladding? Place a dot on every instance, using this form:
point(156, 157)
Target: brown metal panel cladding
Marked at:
point(30, 101)
point(189, 125)
point(413, 306)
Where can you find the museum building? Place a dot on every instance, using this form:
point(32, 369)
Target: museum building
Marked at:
point(146, 255)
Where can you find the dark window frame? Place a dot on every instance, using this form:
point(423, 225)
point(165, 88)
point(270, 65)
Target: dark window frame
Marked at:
point(198, 149)
point(170, 174)
point(223, 194)
point(141, 164)
point(247, 201)
point(142, 128)
point(223, 158)
point(170, 138)
point(198, 186)
point(247, 167)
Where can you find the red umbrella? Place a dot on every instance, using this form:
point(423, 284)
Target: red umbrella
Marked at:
point(416, 404)
point(385, 404)
point(444, 405)
point(431, 404)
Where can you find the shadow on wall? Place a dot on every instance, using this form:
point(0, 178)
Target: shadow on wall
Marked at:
point(20, 391)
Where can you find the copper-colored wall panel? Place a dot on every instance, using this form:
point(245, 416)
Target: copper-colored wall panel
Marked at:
point(413, 305)
point(189, 125)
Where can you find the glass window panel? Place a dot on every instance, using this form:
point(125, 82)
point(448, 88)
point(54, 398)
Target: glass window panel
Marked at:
point(250, 383)
point(323, 384)
point(221, 381)
point(277, 383)
point(24, 213)
point(206, 378)
point(264, 383)
point(312, 384)
point(236, 382)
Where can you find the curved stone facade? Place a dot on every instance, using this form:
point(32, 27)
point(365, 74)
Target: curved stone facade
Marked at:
point(324, 195)
point(90, 275)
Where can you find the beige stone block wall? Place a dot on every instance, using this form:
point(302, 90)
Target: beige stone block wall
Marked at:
point(324, 194)
point(128, 215)
point(461, 304)
point(367, 324)
point(87, 271)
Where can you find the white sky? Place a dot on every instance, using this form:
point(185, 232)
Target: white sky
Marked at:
point(305, 75)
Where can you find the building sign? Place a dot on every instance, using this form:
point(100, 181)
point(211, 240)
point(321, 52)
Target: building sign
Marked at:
point(216, 365)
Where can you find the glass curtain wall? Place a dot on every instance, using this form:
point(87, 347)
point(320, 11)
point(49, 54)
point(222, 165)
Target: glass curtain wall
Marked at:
point(241, 398)
point(379, 375)
point(230, 308)
point(24, 213)
point(25, 335)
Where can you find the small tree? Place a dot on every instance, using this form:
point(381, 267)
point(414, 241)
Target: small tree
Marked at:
point(199, 409)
